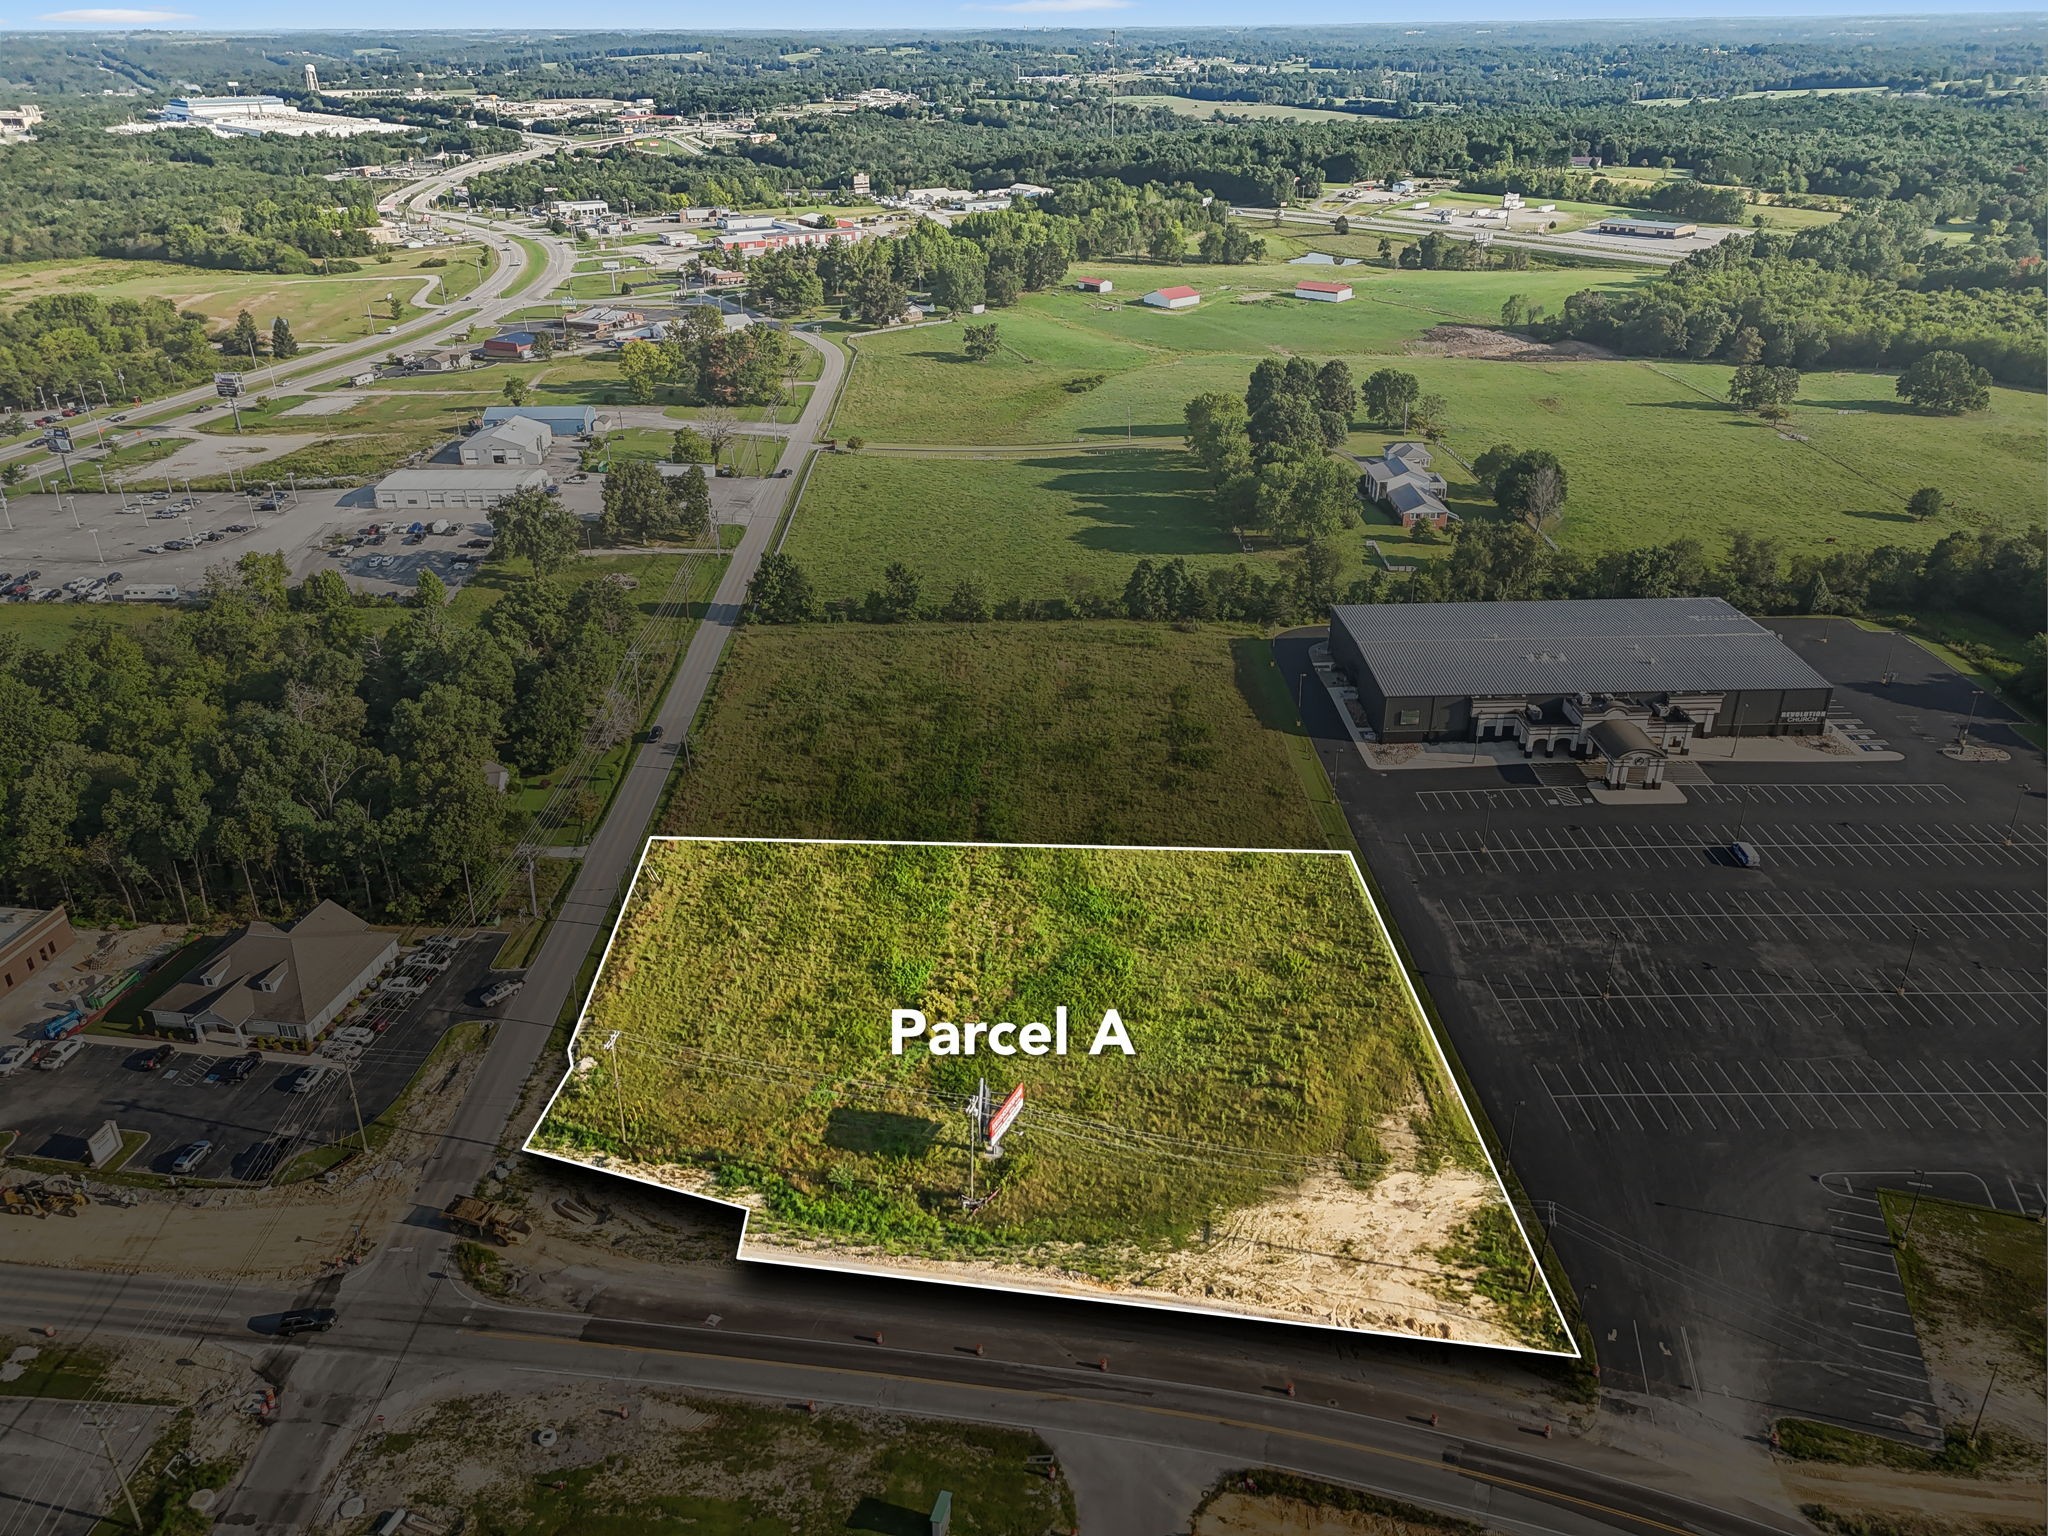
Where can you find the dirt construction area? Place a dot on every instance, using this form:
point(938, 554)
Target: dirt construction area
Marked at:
point(1473, 341)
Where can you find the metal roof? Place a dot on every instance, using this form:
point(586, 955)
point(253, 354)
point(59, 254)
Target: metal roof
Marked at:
point(481, 477)
point(1600, 645)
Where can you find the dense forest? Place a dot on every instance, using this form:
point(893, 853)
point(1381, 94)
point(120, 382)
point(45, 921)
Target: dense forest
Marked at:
point(1868, 292)
point(62, 346)
point(252, 204)
point(1395, 66)
point(273, 747)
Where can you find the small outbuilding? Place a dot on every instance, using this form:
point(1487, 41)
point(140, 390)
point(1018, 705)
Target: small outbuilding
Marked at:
point(1173, 298)
point(1322, 292)
point(1095, 285)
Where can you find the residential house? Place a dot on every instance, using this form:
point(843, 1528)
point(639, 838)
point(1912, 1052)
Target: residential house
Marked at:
point(1401, 480)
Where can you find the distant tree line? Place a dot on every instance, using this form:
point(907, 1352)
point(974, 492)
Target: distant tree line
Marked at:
point(1867, 292)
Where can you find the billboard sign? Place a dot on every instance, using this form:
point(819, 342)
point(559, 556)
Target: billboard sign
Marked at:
point(1005, 1115)
point(227, 385)
point(60, 440)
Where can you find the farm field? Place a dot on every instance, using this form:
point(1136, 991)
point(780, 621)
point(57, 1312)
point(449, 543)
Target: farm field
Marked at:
point(318, 308)
point(1109, 732)
point(1152, 362)
point(1252, 996)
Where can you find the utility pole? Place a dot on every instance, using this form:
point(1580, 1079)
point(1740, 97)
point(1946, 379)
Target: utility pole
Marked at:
point(114, 1461)
point(362, 1136)
point(1977, 1423)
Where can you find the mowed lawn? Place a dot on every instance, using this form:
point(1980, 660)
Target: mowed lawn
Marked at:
point(1106, 733)
point(1652, 453)
point(1035, 526)
point(916, 386)
point(318, 308)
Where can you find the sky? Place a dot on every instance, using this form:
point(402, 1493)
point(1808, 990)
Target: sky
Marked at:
point(838, 15)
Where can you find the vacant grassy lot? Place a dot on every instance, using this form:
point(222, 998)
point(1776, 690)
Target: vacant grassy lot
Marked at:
point(1037, 526)
point(318, 308)
point(1067, 732)
point(916, 386)
point(1270, 1027)
point(1975, 1279)
point(1652, 453)
point(710, 1467)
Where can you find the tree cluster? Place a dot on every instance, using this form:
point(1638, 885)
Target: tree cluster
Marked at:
point(272, 747)
point(1267, 455)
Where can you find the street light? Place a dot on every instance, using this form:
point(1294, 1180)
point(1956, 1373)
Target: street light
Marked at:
point(98, 553)
point(1975, 695)
point(2018, 800)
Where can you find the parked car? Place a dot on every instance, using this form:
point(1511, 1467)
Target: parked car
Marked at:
point(497, 992)
point(55, 1056)
point(159, 1058)
point(234, 1071)
point(306, 1079)
point(476, 544)
point(1745, 855)
point(113, 578)
point(14, 1058)
point(307, 1320)
point(270, 504)
point(191, 1156)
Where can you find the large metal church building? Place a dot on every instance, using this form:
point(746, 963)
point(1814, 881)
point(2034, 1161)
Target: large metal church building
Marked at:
point(1635, 676)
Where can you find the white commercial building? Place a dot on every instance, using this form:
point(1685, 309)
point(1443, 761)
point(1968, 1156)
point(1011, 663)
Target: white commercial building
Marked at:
point(521, 442)
point(440, 485)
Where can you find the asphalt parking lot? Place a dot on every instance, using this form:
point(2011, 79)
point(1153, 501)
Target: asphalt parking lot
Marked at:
point(1703, 1072)
point(251, 1122)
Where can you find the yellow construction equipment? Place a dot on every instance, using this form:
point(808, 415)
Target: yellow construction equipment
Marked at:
point(500, 1224)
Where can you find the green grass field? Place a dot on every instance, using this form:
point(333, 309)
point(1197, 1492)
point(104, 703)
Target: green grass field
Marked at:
point(1653, 453)
point(1056, 732)
point(318, 308)
point(1153, 361)
point(1039, 526)
point(1270, 1040)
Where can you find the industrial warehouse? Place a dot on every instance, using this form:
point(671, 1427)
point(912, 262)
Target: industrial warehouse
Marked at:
point(1631, 680)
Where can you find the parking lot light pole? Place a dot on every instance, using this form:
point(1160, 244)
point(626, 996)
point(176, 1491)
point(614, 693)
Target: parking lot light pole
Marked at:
point(100, 554)
point(2018, 800)
point(1963, 736)
point(1913, 1209)
point(1912, 949)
